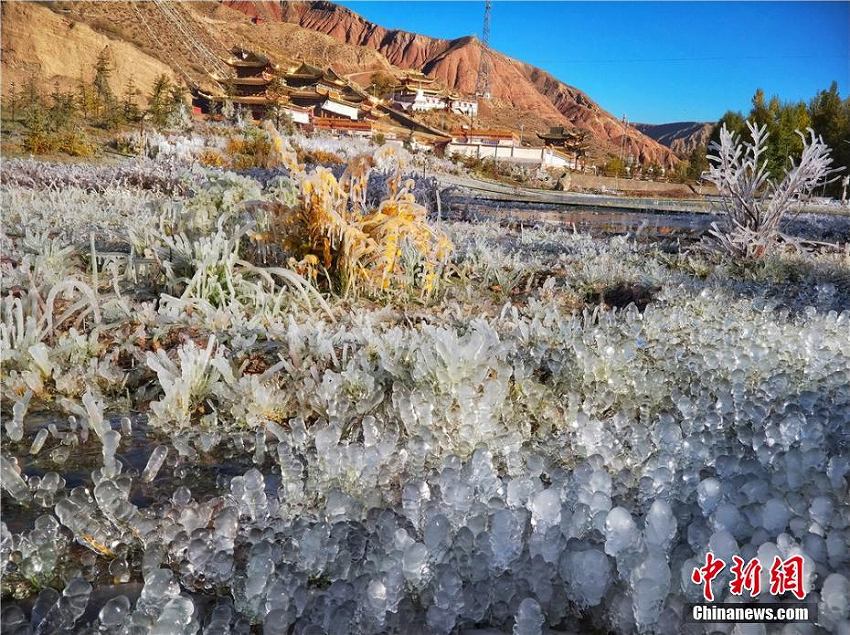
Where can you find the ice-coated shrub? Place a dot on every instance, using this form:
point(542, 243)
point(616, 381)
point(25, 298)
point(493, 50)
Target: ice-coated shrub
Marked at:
point(365, 249)
point(754, 203)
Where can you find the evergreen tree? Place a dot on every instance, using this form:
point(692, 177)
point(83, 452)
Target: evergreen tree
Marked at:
point(830, 118)
point(34, 112)
point(785, 142)
point(697, 162)
point(129, 107)
point(84, 97)
point(62, 108)
point(734, 121)
point(159, 101)
point(13, 100)
point(760, 111)
point(828, 114)
point(105, 102)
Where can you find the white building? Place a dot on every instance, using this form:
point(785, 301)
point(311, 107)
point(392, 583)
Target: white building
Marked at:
point(298, 115)
point(419, 99)
point(464, 106)
point(503, 145)
point(348, 111)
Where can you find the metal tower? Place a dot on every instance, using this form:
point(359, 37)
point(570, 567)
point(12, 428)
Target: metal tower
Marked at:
point(482, 86)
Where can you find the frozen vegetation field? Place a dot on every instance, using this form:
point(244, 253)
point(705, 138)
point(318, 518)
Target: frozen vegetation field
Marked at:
point(284, 400)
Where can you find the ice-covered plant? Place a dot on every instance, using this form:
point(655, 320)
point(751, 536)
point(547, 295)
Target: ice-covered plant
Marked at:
point(186, 383)
point(254, 147)
point(753, 203)
point(365, 250)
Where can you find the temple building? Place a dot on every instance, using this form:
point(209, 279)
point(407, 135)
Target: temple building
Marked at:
point(503, 146)
point(419, 93)
point(492, 137)
point(326, 93)
point(570, 142)
point(319, 99)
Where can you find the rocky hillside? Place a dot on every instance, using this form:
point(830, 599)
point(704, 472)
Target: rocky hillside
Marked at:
point(55, 49)
point(681, 137)
point(522, 94)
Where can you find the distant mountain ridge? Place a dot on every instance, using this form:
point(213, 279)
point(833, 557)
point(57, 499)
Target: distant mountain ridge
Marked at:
point(523, 95)
point(682, 137)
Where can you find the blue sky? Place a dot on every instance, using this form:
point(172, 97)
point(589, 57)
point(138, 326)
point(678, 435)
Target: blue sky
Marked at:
point(655, 61)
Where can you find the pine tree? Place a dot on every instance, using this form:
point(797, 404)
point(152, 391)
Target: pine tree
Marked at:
point(13, 100)
point(830, 118)
point(760, 112)
point(34, 112)
point(129, 107)
point(62, 108)
point(159, 101)
point(827, 113)
point(84, 97)
point(106, 104)
point(697, 162)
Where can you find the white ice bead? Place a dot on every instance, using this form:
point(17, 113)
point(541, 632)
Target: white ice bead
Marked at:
point(529, 618)
point(38, 442)
point(111, 439)
point(157, 458)
point(708, 495)
point(12, 481)
point(588, 574)
point(115, 612)
point(260, 448)
point(774, 516)
point(660, 525)
point(620, 531)
point(15, 425)
point(94, 410)
point(835, 599)
point(545, 509)
point(175, 617)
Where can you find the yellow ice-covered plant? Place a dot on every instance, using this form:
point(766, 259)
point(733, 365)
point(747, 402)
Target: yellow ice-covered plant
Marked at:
point(254, 148)
point(361, 247)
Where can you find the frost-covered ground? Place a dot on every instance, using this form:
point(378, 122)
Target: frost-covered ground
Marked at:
point(552, 439)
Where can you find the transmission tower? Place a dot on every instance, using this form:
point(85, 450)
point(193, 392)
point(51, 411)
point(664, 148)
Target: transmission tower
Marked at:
point(482, 86)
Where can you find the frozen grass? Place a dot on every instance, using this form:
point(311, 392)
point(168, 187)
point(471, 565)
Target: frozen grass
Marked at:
point(560, 430)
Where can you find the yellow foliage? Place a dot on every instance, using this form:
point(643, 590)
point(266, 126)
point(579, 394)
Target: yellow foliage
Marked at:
point(363, 248)
point(212, 158)
point(318, 157)
point(72, 142)
point(257, 148)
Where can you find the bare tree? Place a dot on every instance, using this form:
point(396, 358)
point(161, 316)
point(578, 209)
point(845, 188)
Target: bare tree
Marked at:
point(754, 203)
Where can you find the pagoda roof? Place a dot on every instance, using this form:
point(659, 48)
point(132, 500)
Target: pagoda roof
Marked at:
point(308, 71)
point(559, 134)
point(254, 100)
point(418, 77)
point(340, 100)
point(298, 108)
point(245, 58)
point(422, 89)
point(493, 133)
point(307, 93)
point(411, 124)
point(248, 81)
point(340, 123)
